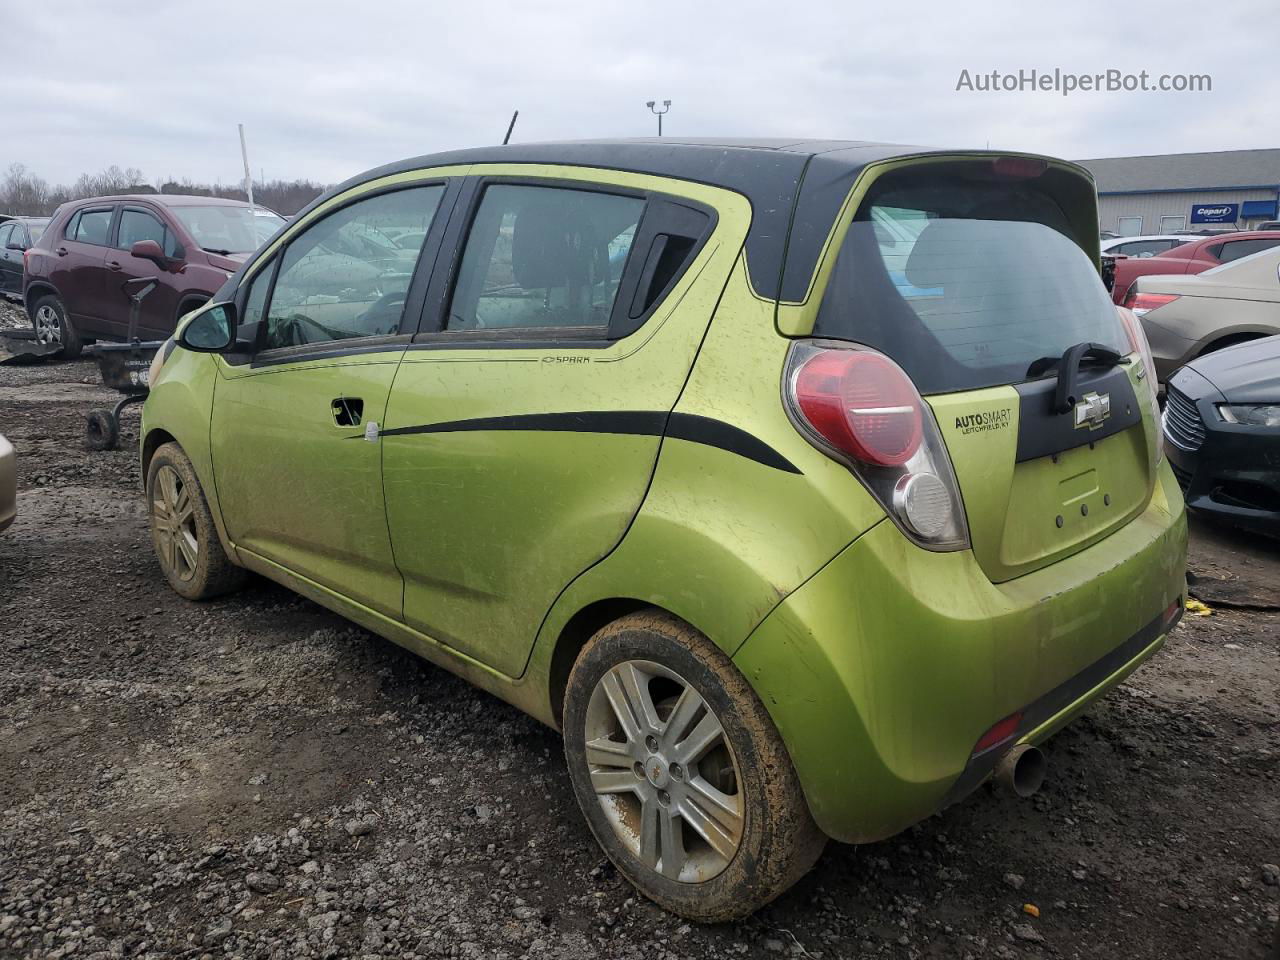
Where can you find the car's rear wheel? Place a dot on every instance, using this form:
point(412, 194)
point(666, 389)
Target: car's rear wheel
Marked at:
point(681, 774)
point(49, 319)
point(182, 530)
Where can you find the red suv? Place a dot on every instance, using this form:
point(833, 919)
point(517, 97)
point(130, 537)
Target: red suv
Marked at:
point(73, 275)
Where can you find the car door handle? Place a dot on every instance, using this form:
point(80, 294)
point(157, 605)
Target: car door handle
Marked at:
point(113, 264)
point(62, 251)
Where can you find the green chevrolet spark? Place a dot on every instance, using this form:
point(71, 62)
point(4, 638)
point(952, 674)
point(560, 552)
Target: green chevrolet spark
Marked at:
point(804, 486)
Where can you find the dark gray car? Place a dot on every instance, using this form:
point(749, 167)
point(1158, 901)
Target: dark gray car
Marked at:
point(16, 237)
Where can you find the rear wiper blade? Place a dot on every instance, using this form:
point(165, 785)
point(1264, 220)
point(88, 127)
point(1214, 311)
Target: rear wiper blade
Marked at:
point(216, 250)
point(1065, 396)
point(1105, 357)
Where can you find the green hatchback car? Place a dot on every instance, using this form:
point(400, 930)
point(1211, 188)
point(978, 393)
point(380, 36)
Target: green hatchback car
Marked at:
point(803, 486)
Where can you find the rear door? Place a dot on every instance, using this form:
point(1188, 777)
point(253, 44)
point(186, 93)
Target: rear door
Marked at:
point(526, 417)
point(79, 271)
point(296, 460)
point(976, 283)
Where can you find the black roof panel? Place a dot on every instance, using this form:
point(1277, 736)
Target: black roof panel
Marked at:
point(795, 187)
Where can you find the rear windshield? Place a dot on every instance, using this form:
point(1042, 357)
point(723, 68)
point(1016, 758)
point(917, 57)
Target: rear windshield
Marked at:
point(37, 228)
point(965, 281)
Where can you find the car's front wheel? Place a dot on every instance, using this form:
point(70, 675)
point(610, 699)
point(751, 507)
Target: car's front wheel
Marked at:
point(49, 319)
point(680, 772)
point(186, 541)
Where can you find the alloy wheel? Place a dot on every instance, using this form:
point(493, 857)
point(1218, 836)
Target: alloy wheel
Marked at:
point(664, 772)
point(47, 325)
point(174, 522)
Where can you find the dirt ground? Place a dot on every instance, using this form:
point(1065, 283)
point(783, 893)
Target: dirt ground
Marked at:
point(255, 777)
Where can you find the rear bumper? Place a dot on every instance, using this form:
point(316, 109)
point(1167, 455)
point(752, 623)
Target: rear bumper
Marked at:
point(1168, 350)
point(8, 484)
point(884, 669)
point(1053, 711)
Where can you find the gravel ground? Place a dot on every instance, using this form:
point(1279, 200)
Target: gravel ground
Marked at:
point(255, 777)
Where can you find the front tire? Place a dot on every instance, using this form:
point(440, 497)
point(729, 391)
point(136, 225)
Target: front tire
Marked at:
point(680, 772)
point(49, 319)
point(182, 530)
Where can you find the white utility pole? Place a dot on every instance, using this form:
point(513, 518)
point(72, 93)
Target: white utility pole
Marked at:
point(248, 177)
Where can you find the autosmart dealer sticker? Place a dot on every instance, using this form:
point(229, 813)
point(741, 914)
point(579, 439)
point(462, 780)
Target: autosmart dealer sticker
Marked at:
point(984, 422)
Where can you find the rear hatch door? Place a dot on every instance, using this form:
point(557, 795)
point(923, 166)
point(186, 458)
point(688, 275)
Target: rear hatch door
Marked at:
point(977, 278)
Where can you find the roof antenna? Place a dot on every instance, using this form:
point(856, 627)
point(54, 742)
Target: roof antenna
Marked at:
point(511, 126)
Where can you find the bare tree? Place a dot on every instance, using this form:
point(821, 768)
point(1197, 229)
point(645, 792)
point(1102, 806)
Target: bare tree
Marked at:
point(24, 193)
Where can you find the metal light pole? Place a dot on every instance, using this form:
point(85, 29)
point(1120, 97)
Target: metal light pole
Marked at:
point(666, 105)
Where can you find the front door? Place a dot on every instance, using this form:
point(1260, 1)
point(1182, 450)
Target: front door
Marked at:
point(159, 308)
point(10, 260)
point(523, 430)
point(297, 467)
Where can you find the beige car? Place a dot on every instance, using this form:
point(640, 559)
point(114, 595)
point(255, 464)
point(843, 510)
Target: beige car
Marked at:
point(1186, 316)
point(8, 484)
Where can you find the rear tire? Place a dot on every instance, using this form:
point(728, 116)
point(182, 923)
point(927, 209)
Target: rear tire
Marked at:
point(680, 772)
point(49, 318)
point(182, 529)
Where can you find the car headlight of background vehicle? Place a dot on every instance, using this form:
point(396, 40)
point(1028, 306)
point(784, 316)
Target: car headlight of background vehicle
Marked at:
point(1252, 414)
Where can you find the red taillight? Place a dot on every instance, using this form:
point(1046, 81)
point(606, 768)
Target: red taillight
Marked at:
point(862, 404)
point(1140, 303)
point(998, 734)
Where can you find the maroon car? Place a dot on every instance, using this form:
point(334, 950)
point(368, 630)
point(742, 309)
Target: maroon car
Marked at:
point(74, 273)
point(1194, 257)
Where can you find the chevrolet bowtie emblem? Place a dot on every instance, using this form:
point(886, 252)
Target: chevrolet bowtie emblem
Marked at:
point(1093, 410)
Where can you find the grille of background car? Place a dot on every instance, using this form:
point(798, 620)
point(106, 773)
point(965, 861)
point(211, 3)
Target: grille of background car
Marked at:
point(1182, 423)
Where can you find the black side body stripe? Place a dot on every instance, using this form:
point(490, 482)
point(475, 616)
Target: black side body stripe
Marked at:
point(651, 423)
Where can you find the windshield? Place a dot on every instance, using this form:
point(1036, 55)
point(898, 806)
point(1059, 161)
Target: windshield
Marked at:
point(220, 229)
point(965, 283)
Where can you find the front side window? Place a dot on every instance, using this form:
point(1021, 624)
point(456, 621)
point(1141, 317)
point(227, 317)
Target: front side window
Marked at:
point(1145, 248)
point(543, 257)
point(965, 282)
point(255, 302)
point(90, 226)
point(342, 277)
point(6, 235)
point(138, 225)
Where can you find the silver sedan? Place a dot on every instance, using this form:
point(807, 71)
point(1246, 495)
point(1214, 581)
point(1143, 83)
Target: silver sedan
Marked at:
point(8, 484)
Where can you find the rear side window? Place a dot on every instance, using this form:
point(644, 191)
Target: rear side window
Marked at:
point(90, 226)
point(965, 281)
point(543, 257)
point(6, 234)
point(1235, 249)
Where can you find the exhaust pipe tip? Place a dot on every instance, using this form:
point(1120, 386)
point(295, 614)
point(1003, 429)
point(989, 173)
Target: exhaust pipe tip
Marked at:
point(1021, 770)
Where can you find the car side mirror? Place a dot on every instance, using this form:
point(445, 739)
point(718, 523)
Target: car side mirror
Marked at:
point(211, 330)
point(148, 250)
point(15, 246)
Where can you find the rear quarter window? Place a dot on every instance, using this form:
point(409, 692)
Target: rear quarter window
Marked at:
point(965, 281)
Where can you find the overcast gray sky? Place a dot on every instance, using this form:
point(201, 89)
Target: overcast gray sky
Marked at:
point(327, 89)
